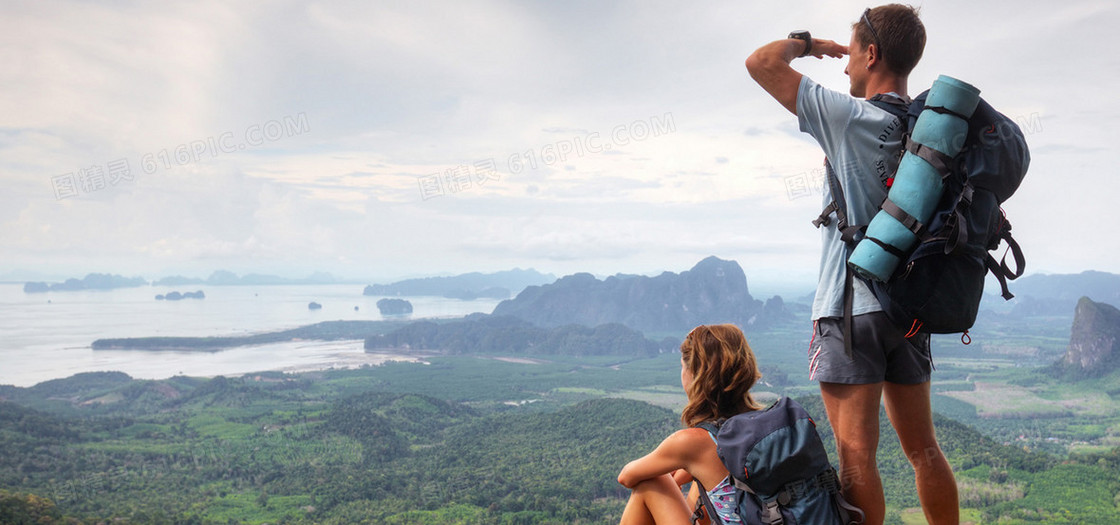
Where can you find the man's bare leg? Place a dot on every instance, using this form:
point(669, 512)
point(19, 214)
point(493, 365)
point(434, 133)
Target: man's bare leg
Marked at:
point(908, 407)
point(853, 412)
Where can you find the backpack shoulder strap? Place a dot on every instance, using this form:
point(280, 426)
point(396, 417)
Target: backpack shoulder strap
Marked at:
point(704, 502)
point(703, 506)
point(711, 426)
point(892, 104)
point(851, 235)
point(900, 108)
point(895, 105)
point(848, 232)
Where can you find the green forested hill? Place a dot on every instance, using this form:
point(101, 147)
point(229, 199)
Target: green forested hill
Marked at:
point(237, 450)
point(370, 446)
point(481, 334)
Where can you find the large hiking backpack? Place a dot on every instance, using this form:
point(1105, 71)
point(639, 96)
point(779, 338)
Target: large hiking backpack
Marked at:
point(779, 468)
point(938, 286)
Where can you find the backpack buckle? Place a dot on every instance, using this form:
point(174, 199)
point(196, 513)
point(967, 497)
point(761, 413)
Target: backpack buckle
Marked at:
point(823, 219)
point(771, 515)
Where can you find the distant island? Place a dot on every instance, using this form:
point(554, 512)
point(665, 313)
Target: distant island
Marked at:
point(468, 286)
point(93, 281)
point(394, 307)
point(176, 296)
point(99, 281)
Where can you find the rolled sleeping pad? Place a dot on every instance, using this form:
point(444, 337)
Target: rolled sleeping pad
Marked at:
point(917, 184)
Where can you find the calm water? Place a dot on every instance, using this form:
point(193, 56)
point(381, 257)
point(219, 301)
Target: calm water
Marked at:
point(47, 335)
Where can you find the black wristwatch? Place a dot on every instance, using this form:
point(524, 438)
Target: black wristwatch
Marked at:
point(803, 35)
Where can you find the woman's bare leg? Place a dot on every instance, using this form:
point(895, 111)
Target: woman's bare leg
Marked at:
point(656, 501)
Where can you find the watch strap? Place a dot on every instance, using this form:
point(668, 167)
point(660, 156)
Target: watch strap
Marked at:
point(804, 36)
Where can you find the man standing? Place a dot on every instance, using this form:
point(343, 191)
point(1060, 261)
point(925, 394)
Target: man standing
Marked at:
point(862, 142)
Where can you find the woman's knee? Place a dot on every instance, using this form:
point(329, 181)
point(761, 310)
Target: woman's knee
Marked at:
point(656, 500)
point(661, 484)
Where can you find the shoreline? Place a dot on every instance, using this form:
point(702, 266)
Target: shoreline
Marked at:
point(323, 331)
point(285, 356)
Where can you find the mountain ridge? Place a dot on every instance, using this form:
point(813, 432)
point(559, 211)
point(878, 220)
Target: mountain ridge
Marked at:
point(712, 291)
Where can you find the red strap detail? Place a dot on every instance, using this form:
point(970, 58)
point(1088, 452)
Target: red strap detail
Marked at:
point(914, 329)
point(965, 338)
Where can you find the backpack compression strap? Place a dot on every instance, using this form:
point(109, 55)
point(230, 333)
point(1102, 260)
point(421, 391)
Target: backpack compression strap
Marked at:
point(940, 162)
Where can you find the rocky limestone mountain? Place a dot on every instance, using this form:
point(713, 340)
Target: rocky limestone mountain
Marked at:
point(775, 312)
point(93, 281)
point(1093, 349)
point(713, 291)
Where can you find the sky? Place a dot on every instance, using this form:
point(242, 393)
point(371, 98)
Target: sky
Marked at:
point(383, 140)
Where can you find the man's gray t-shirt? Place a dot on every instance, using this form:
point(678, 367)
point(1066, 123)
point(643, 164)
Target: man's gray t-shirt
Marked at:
point(862, 143)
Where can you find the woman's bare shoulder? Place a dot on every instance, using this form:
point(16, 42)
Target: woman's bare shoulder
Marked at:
point(690, 441)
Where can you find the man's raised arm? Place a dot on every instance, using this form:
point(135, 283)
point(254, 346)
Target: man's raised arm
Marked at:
point(769, 66)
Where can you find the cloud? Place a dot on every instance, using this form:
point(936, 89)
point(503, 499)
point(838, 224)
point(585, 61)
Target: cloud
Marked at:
point(393, 93)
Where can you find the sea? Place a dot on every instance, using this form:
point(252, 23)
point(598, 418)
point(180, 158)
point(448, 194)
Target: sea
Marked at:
point(46, 336)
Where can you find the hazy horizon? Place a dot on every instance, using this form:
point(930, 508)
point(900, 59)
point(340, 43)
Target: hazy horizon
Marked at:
point(22, 276)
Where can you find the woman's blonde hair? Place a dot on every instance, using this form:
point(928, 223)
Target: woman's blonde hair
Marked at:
point(723, 371)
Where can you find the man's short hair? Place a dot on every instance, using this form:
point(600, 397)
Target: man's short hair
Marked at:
point(898, 34)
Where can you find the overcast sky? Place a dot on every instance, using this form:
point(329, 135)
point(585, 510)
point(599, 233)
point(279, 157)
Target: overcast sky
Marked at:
point(389, 139)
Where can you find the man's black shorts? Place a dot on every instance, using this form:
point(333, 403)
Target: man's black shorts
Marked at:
point(880, 352)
